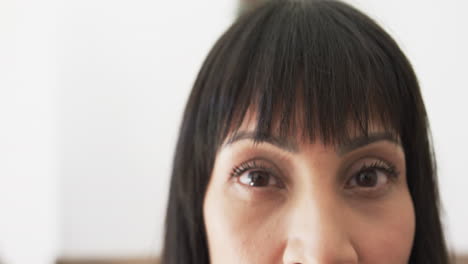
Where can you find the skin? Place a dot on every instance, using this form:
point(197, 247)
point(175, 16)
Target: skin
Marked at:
point(310, 202)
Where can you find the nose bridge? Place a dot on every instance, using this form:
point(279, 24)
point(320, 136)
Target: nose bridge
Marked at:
point(318, 230)
point(320, 213)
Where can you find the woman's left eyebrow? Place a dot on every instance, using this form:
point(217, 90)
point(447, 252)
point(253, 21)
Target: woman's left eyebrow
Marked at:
point(361, 141)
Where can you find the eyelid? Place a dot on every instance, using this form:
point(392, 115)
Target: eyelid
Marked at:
point(246, 150)
point(247, 165)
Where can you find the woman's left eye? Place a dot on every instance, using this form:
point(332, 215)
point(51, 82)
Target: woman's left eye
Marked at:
point(373, 175)
point(369, 178)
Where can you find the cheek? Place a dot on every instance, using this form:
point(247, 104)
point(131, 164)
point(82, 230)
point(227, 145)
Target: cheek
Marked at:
point(241, 231)
point(387, 235)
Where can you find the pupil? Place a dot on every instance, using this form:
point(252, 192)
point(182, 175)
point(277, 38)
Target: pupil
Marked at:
point(367, 179)
point(258, 178)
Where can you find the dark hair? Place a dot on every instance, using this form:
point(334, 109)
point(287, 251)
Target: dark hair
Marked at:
point(330, 62)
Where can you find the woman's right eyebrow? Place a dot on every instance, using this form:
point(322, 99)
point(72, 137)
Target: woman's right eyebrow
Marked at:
point(282, 143)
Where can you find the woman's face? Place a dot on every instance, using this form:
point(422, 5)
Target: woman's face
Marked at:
point(283, 201)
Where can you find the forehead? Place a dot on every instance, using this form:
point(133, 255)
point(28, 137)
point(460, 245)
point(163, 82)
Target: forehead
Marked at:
point(251, 118)
point(295, 140)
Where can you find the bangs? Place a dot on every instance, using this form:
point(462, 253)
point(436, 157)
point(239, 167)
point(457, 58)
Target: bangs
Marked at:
point(307, 69)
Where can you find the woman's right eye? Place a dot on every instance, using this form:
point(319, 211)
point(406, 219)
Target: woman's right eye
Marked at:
point(256, 173)
point(257, 178)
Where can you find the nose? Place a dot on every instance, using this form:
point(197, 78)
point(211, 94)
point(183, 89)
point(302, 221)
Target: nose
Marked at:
point(318, 233)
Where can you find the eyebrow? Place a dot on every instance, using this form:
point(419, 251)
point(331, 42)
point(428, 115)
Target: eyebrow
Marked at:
point(361, 141)
point(280, 142)
point(292, 147)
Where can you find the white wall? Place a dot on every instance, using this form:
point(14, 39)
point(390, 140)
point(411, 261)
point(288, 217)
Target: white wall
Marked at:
point(28, 156)
point(126, 68)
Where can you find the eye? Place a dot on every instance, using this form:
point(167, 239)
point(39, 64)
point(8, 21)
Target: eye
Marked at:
point(369, 178)
point(257, 178)
point(373, 176)
point(255, 174)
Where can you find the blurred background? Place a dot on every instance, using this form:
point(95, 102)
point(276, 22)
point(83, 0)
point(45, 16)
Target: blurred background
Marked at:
point(91, 97)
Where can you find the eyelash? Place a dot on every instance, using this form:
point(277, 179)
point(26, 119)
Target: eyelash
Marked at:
point(387, 168)
point(249, 165)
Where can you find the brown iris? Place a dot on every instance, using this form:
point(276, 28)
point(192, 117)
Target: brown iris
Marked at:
point(367, 178)
point(258, 178)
